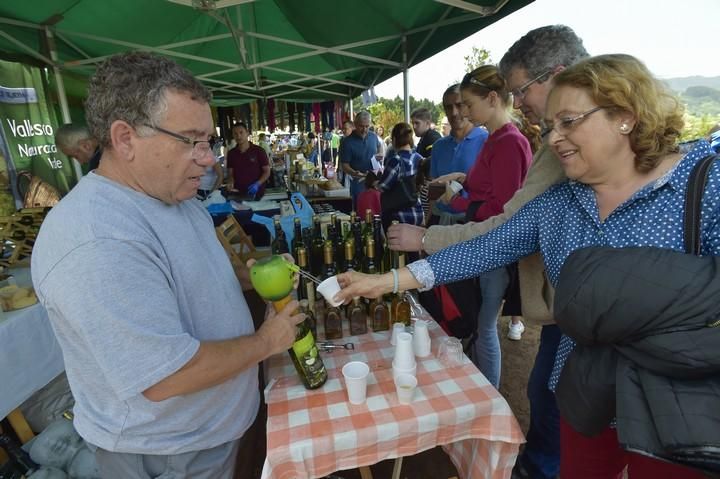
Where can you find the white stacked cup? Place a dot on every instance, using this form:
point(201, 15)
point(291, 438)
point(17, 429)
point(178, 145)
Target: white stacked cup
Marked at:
point(421, 339)
point(397, 329)
point(404, 360)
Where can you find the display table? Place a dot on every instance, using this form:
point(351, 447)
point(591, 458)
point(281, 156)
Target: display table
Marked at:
point(29, 353)
point(311, 434)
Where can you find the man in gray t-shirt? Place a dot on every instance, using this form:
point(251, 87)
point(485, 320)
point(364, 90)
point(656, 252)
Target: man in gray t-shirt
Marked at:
point(159, 346)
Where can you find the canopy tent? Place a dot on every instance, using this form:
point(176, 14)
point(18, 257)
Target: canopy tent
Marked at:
point(247, 49)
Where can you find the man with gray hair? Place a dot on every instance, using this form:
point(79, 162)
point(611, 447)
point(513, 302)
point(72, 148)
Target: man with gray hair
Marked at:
point(357, 152)
point(162, 358)
point(528, 67)
point(75, 141)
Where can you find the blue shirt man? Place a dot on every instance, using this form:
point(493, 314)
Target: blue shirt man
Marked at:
point(356, 153)
point(452, 154)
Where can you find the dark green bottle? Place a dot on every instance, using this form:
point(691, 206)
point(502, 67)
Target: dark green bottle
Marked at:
point(279, 244)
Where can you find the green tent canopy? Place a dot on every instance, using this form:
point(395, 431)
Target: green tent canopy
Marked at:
point(248, 49)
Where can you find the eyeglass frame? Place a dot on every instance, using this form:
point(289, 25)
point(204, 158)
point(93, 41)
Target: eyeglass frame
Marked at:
point(520, 92)
point(188, 141)
point(569, 123)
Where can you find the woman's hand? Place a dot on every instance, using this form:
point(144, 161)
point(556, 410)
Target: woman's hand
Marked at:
point(405, 237)
point(457, 176)
point(355, 284)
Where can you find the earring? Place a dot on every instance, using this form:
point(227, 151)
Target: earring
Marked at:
point(624, 128)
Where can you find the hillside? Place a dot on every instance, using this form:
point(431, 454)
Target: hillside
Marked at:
point(701, 95)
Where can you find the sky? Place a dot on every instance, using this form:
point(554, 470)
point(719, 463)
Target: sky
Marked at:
point(673, 38)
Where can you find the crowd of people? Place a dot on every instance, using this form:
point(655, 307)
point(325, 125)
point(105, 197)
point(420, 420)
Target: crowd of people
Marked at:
point(163, 358)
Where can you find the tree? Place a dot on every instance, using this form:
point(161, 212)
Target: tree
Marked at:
point(477, 58)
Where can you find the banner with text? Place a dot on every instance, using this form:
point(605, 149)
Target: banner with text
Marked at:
point(27, 139)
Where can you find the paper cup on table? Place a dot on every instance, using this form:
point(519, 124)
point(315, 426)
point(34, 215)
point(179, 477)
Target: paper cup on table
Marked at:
point(404, 354)
point(328, 289)
point(405, 385)
point(421, 339)
point(397, 329)
point(356, 374)
point(412, 371)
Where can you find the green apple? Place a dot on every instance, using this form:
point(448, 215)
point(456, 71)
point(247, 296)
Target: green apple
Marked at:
point(272, 277)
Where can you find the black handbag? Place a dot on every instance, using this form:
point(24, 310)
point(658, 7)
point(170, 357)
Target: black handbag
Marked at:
point(402, 195)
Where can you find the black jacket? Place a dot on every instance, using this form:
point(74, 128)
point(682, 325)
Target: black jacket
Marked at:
point(646, 322)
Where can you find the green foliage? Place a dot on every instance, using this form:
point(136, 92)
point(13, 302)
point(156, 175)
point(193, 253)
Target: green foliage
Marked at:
point(389, 112)
point(698, 126)
point(477, 58)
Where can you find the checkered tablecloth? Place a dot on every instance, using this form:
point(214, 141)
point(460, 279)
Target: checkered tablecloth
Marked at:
point(311, 434)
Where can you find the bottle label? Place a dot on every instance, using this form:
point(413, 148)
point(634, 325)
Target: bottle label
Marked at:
point(304, 345)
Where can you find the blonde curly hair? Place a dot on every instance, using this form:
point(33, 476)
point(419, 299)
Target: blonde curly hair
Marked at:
point(622, 83)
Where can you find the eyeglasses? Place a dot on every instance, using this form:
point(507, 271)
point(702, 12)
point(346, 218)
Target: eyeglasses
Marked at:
point(565, 125)
point(519, 93)
point(200, 148)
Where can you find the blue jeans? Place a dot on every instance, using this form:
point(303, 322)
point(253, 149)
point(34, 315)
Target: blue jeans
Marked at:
point(541, 457)
point(486, 350)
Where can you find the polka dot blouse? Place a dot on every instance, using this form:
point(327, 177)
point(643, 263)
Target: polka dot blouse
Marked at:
point(566, 218)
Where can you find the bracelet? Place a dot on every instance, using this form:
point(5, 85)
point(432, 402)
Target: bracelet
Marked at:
point(396, 280)
point(422, 241)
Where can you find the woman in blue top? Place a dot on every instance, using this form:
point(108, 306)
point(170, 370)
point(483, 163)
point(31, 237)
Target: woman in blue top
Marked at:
point(614, 129)
point(400, 170)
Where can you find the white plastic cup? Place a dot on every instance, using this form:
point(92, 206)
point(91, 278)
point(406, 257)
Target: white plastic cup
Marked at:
point(356, 374)
point(397, 328)
point(405, 385)
point(421, 339)
point(398, 371)
point(404, 354)
point(328, 289)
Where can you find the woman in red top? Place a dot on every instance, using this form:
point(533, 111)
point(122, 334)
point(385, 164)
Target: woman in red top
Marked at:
point(498, 172)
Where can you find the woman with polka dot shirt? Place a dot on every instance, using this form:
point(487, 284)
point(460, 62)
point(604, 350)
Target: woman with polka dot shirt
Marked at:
point(614, 129)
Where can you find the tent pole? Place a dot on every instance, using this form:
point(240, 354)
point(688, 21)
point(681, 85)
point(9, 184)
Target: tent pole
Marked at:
point(62, 97)
point(406, 80)
point(350, 100)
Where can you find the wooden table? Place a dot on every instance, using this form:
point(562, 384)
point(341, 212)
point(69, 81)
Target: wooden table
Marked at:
point(311, 434)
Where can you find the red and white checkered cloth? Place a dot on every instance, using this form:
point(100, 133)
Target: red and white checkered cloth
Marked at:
point(311, 434)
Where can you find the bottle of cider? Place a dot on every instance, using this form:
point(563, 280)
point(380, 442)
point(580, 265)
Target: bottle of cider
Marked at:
point(369, 267)
point(328, 263)
point(316, 254)
point(306, 288)
point(350, 261)
point(297, 240)
point(279, 243)
point(400, 309)
point(306, 357)
point(333, 322)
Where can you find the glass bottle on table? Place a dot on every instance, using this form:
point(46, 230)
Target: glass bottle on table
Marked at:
point(367, 229)
point(306, 357)
point(369, 266)
point(318, 243)
point(297, 240)
point(400, 309)
point(381, 262)
point(356, 233)
point(350, 261)
point(357, 317)
point(328, 262)
point(306, 309)
point(306, 288)
point(379, 315)
point(279, 243)
point(333, 322)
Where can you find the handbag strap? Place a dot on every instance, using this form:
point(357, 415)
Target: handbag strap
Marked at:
point(693, 202)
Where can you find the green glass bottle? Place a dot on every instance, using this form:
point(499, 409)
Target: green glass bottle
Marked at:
point(328, 263)
point(369, 267)
point(297, 241)
point(350, 261)
point(306, 357)
point(279, 243)
point(306, 288)
point(316, 252)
